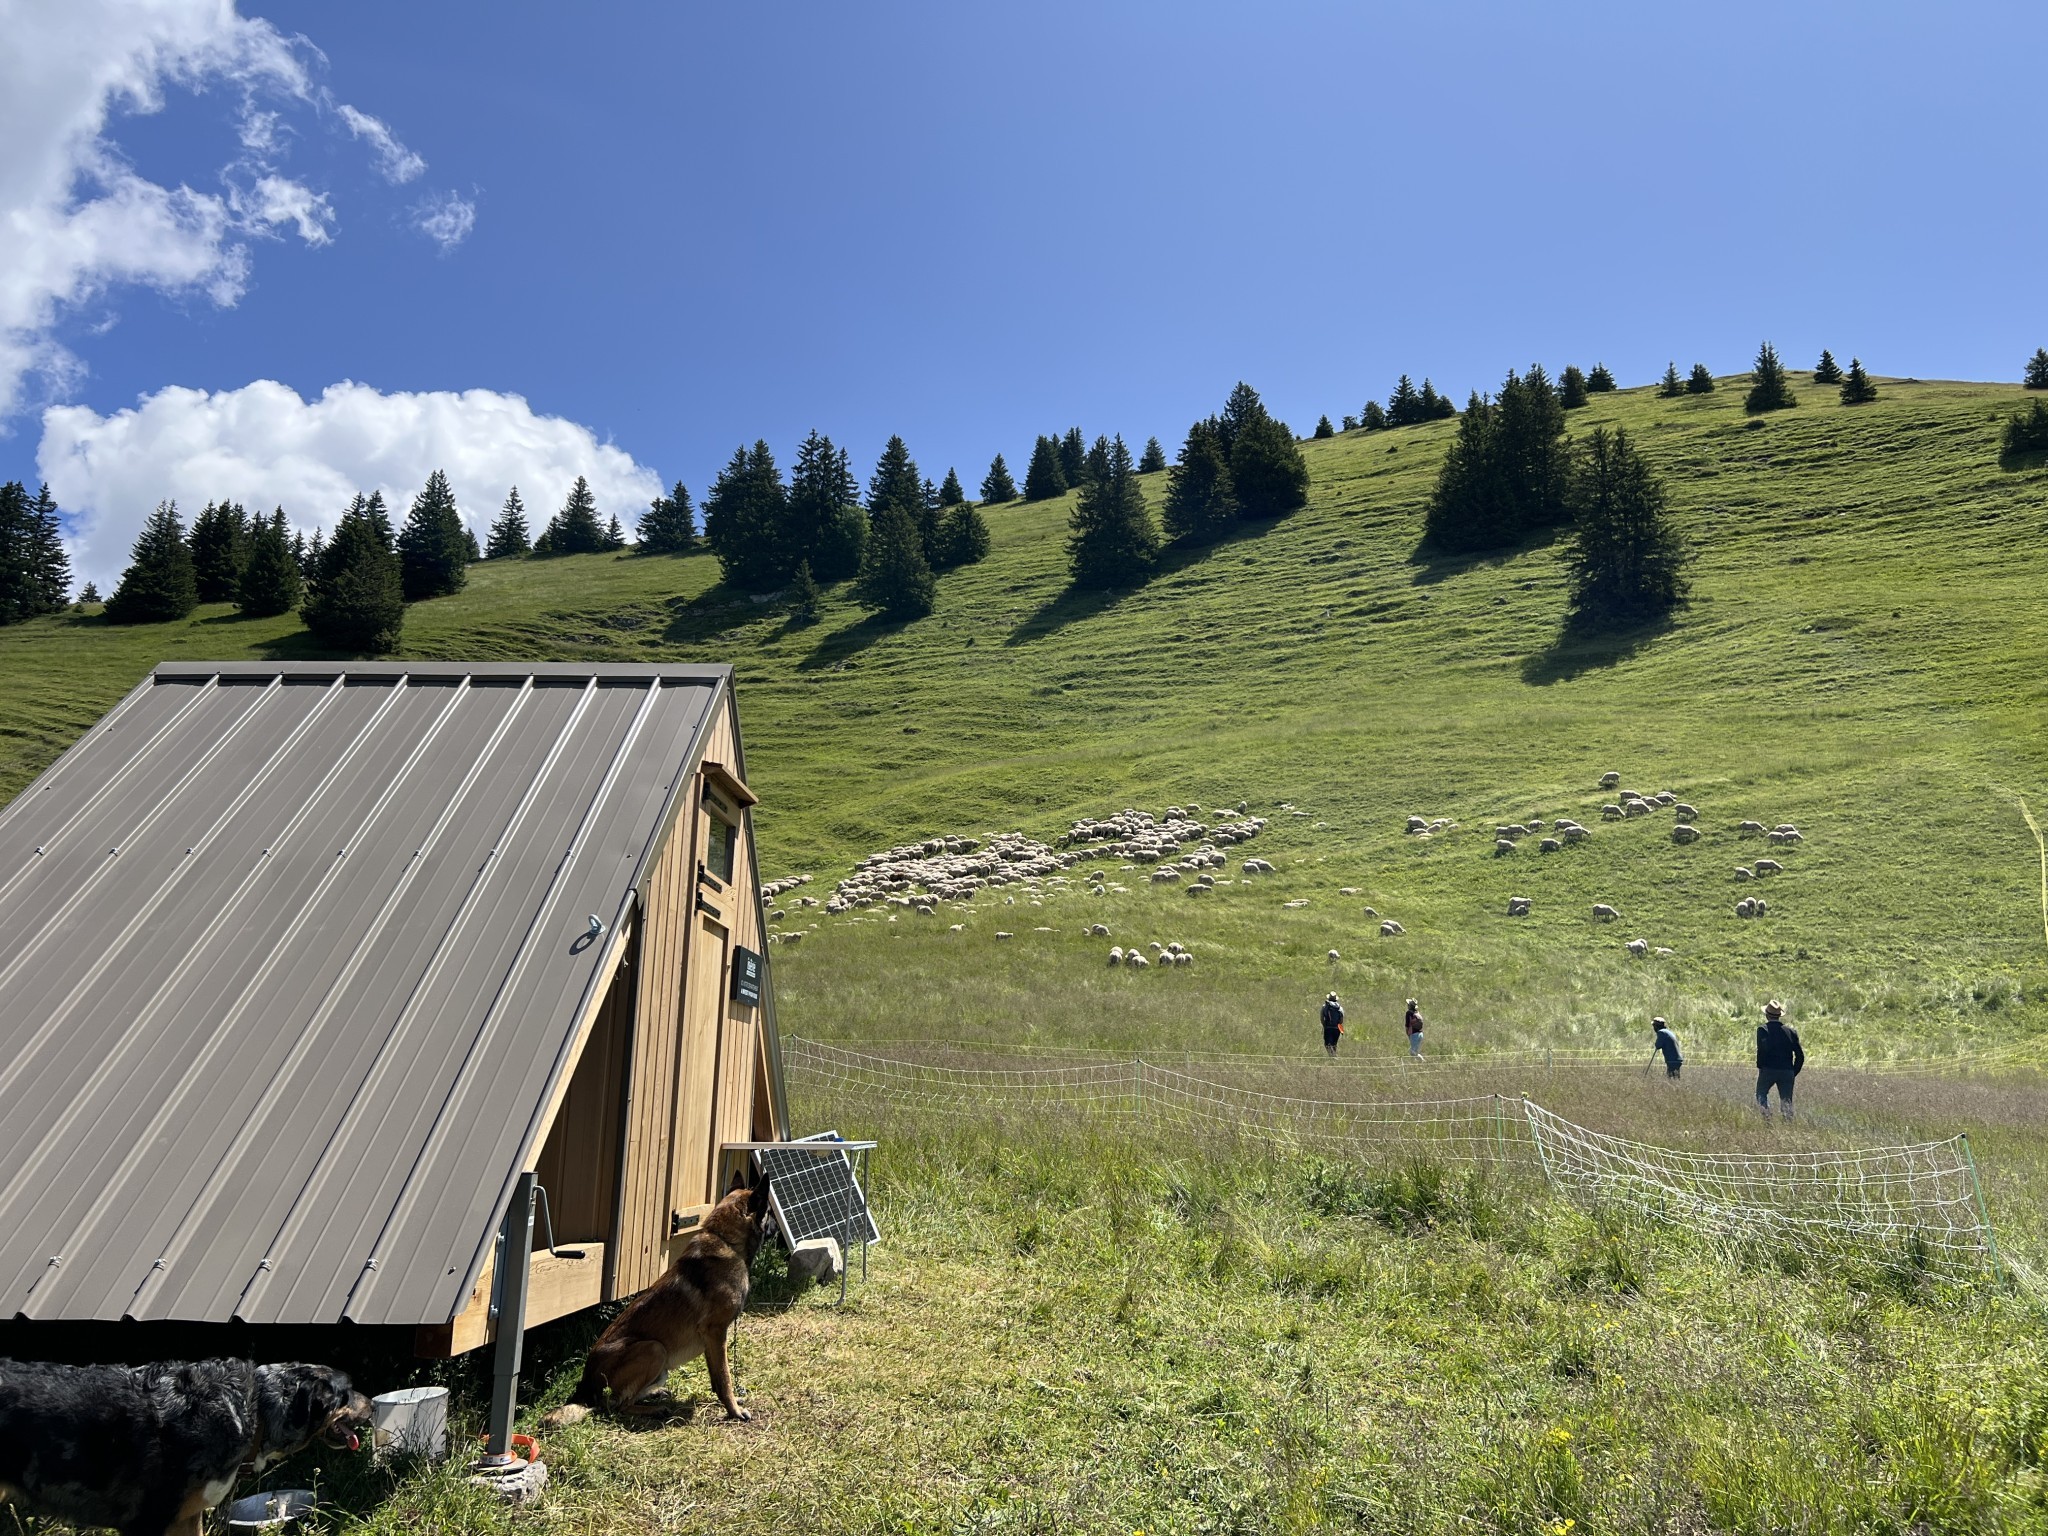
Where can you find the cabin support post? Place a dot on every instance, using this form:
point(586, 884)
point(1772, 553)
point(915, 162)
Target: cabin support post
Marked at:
point(515, 1260)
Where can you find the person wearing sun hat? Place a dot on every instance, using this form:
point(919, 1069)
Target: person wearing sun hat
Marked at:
point(1665, 1043)
point(1333, 1023)
point(1779, 1058)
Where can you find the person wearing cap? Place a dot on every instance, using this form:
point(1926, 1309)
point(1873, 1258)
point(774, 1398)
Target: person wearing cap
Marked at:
point(1665, 1043)
point(1413, 1025)
point(1333, 1023)
point(1779, 1057)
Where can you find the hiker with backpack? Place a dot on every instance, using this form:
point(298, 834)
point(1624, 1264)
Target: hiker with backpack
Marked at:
point(1333, 1023)
point(1413, 1025)
point(1779, 1058)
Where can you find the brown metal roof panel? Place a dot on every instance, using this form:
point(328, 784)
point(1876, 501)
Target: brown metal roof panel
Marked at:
point(157, 1130)
point(455, 1191)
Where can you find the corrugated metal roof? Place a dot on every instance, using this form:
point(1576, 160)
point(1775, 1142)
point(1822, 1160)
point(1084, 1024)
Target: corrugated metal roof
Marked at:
point(291, 956)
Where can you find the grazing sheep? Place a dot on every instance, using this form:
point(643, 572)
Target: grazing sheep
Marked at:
point(1604, 912)
point(957, 928)
point(1391, 929)
point(1200, 890)
point(1098, 930)
point(1334, 957)
point(1749, 906)
point(1769, 867)
point(1686, 812)
point(1183, 958)
point(1518, 906)
point(1156, 947)
point(1784, 826)
point(1502, 847)
point(1165, 876)
point(1001, 934)
point(1665, 797)
point(1349, 890)
point(1751, 829)
point(1762, 906)
point(1744, 872)
point(793, 938)
point(1175, 947)
point(1369, 912)
point(1639, 947)
point(1635, 808)
point(1609, 780)
point(1576, 834)
point(1660, 951)
point(1610, 812)
point(1549, 845)
point(1512, 829)
point(1685, 832)
point(1299, 901)
point(1205, 881)
point(1418, 824)
point(1138, 962)
point(1116, 955)
point(1536, 824)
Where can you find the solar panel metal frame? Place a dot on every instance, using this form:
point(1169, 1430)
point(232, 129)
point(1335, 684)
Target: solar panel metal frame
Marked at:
point(818, 1203)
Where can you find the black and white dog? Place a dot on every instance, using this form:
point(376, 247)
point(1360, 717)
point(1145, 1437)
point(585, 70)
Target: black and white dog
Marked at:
point(148, 1449)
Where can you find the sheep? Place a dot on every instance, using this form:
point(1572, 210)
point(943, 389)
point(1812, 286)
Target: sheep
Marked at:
point(1156, 947)
point(1576, 834)
point(1660, 951)
point(1138, 962)
point(1334, 957)
point(1299, 901)
point(1762, 906)
point(1787, 839)
point(1002, 934)
point(1769, 867)
point(1175, 947)
point(1604, 912)
point(1518, 906)
point(1686, 812)
point(1391, 929)
point(1098, 930)
point(1512, 829)
point(1369, 912)
point(1751, 829)
point(1610, 812)
point(1207, 882)
point(957, 928)
point(1536, 824)
point(1744, 872)
point(1638, 947)
point(1784, 826)
point(1116, 955)
point(1635, 808)
point(1549, 845)
point(1349, 890)
point(1665, 797)
point(1609, 780)
point(1417, 824)
point(1685, 832)
point(1200, 890)
point(1183, 958)
point(1165, 876)
point(1503, 847)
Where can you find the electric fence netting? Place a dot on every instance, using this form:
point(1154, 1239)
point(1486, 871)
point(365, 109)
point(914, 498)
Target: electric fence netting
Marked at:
point(1919, 1206)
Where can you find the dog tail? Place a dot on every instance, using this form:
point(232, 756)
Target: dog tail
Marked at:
point(588, 1394)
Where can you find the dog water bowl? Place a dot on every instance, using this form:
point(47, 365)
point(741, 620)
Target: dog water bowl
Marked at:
point(272, 1511)
point(412, 1421)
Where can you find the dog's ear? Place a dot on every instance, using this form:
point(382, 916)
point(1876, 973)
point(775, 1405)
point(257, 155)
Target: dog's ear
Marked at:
point(757, 1203)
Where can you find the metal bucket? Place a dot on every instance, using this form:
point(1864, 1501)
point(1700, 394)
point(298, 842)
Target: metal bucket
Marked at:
point(272, 1511)
point(412, 1421)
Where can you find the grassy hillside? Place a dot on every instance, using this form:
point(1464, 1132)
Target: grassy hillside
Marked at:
point(1863, 657)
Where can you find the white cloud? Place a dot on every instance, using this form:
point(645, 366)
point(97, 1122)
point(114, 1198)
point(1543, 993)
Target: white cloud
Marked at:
point(264, 446)
point(445, 219)
point(398, 163)
point(77, 219)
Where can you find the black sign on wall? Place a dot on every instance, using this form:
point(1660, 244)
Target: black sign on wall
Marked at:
point(746, 976)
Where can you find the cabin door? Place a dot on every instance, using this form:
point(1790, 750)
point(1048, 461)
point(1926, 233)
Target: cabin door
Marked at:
point(703, 1012)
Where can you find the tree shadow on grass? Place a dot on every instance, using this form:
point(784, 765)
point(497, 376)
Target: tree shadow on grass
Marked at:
point(301, 645)
point(1575, 652)
point(848, 641)
point(1071, 604)
point(1431, 565)
point(708, 615)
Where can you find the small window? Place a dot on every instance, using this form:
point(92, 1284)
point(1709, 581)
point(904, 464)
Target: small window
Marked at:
point(721, 847)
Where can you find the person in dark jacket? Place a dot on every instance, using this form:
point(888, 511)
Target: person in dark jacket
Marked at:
point(1779, 1057)
point(1411, 1025)
point(1333, 1023)
point(1665, 1044)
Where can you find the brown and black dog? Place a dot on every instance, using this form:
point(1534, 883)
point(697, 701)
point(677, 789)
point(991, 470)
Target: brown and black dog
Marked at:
point(686, 1313)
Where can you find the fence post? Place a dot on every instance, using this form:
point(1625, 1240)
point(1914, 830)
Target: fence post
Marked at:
point(1141, 1090)
point(1983, 1215)
point(1536, 1136)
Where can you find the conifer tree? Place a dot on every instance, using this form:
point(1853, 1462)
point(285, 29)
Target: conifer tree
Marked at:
point(1112, 540)
point(315, 548)
point(470, 552)
point(1700, 381)
point(1373, 418)
point(219, 546)
point(825, 524)
point(433, 547)
point(668, 527)
point(271, 583)
point(1323, 427)
point(614, 534)
point(1404, 405)
point(895, 578)
point(1074, 457)
point(88, 594)
point(1201, 501)
point(997, 486)
point(1266, 467)
point(2026, 431)
point(2036, 376)
point(1348, 424)
point(49, 564)
point(575, 529)
point(1429, 403)
point(159, 583)
point(951, 494)
point(1571, 387)
point(509, 536)
point(1153, 459)
point(1507, 472)
point(1826, 371)
point(18, 593)
point(1627, 564)
point(355, 600)
point(806, 600)
point(1670, 387)
point(1599, 381)
point(1770, 389)
point(745, 517)
point(1044, 478)
point(379, 519)
point(963, 537)
point(300, 553)
point(1856, 386)
point(896, 483)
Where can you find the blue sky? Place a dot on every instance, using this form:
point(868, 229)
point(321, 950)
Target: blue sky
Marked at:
point(692, 226)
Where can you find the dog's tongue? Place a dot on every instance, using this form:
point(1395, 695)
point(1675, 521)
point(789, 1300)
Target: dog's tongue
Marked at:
point(354, 1444)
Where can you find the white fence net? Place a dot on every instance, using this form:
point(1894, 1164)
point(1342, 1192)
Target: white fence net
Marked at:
point(1916, 1205)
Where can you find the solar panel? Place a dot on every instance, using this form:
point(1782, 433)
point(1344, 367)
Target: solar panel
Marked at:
point(815, 1194)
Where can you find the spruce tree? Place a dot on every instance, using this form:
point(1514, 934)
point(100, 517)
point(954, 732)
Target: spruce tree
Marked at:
point(1670, 387)
point(1153, 459)
point(509, 536)
point(997, 486)
point(963, 537)
point(1571, 387)
point(896, 483)
point(2026, 431)
point(745, 519)
point(1444, 409)
point(1348, 424)
point(1323, 427)
point(17, 566)
point(1700, 381)
point(49, 563)
point(1201, 502)
point(575, 529)
point(1599, 381)
point(379, 519)
point(1044, 479)
point(2036, 376)
point(824, 523)
point(1826, 371)
point(1856, 386)
point(950, 492)
point(1266, 467)
point(315, 548)
point(1112, 540)
point(1074, 457)
point(433, 550)
point(219, 541)
point(1373, 418)
point(614, 533)
point(470, 552)
point(88, 594)
point(667, 527)
point(806, 600)
point(895, 578)
point(159, 583)
point(1404, 405)
point(1429, 403)
point(1508, 471)
point(355, 600)
point(1771, 389)
point(1626, 565)
point(271, 583)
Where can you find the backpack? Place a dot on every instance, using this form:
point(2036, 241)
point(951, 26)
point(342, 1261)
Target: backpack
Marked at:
point(1333, 1017)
